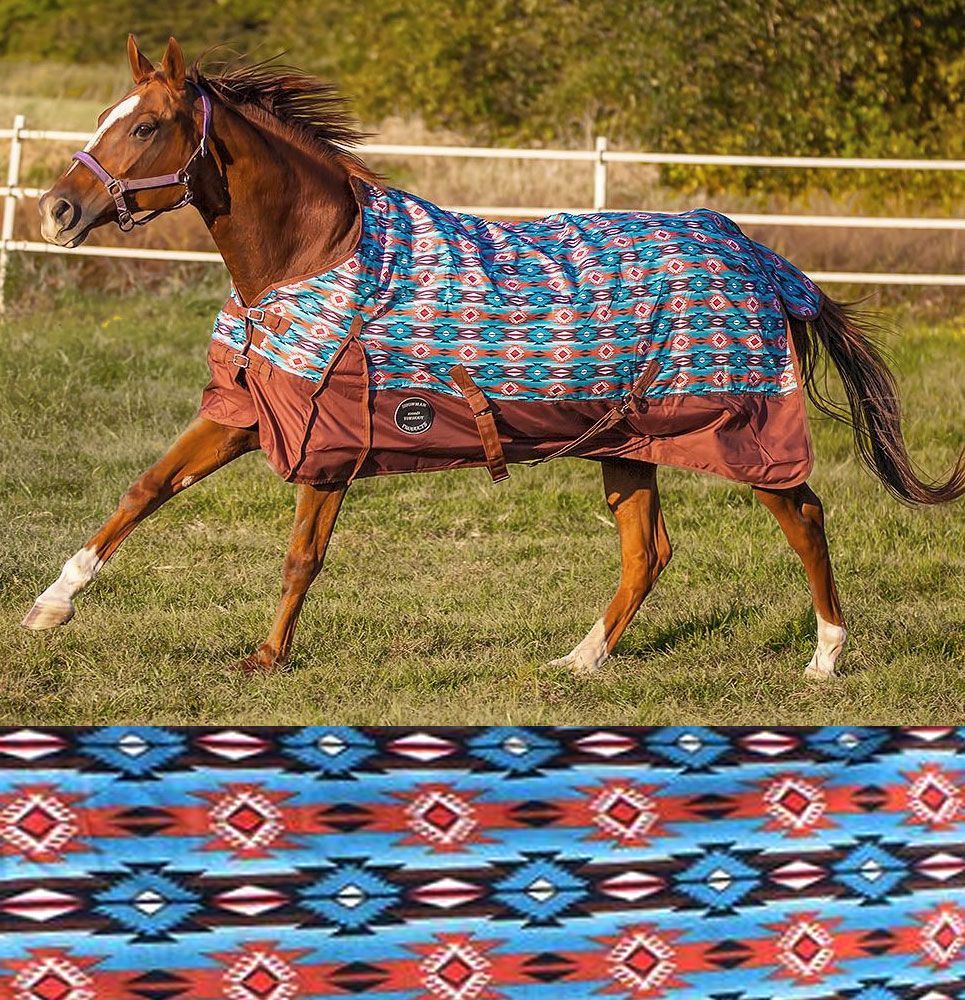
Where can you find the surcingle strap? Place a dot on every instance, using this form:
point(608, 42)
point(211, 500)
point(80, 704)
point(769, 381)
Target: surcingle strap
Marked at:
point(482, 411)
point(611, 418)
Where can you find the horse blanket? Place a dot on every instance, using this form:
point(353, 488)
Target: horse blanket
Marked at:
point(689, 863)
point(551, 325)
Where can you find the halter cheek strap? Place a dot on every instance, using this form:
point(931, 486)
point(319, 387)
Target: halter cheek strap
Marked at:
point(117, 187)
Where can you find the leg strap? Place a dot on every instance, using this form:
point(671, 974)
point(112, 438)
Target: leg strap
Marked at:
point(609, 419)
point(485, 422)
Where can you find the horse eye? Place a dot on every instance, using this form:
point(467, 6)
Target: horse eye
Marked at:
point(144, 130)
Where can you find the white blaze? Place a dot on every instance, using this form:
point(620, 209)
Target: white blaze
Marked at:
point(119, 111)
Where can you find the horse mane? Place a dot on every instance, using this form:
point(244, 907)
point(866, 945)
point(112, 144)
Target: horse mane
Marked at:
point(309, 108)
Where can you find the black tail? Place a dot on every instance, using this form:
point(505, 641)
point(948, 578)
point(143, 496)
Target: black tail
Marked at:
point(873, 411)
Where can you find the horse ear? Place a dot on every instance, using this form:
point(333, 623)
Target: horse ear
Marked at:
point(141, 66)
point(172, 63)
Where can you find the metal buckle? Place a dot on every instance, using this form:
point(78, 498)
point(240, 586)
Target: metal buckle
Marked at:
point(114, 187)
point(240, 360)
point(256, 315)
point(125, 221)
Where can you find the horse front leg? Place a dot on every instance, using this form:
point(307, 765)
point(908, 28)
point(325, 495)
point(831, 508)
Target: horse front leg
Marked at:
point(316, 510)
point(202, 447)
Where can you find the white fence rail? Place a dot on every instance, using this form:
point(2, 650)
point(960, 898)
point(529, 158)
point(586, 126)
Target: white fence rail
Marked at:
point(600, 157)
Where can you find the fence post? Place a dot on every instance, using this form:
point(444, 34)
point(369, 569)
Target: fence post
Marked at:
point(10, 205)
point(599, 175)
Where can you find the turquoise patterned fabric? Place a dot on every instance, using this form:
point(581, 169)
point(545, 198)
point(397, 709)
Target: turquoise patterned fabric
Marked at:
point(566, 308)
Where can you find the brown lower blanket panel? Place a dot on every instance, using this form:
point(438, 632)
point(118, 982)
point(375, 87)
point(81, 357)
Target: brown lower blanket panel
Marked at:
point(317, 432)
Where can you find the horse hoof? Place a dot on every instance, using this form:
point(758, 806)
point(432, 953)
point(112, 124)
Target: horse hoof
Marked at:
point(816, 671)
point(48, 614)
point(261, 661)
point(580, 663)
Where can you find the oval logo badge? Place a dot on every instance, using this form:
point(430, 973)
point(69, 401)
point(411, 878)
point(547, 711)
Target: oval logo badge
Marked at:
point(414, 415)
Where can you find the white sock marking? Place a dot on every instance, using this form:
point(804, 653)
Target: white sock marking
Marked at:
point(77, 573)
point(588, 654)
point(831, 640)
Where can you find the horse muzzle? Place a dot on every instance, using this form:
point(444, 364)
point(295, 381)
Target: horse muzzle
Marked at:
point(63, 220)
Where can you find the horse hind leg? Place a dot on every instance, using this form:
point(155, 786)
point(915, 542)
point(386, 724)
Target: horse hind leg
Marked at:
point(801, 516)
point(631, 493)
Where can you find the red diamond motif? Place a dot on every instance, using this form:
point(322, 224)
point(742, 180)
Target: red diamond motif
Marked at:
point(806, 948)
point(37, 822)
point(455, 971)
point(623, 812)
point(261, 982)
point(794, 803)
point(441, 816)
point(944, 936)
point(642, 963)
point(246, 819)
point(642, 960)
point(51, 987)
point(932, 796)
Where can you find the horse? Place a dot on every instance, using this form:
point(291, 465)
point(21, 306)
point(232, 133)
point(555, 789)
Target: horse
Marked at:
point(264, 153)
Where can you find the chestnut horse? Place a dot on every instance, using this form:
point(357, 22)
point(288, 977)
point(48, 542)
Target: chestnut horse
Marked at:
point(262, 154)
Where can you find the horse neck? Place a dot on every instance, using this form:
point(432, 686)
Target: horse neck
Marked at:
point(279, 208)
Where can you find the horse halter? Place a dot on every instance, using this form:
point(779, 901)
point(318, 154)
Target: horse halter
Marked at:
point(117, 187)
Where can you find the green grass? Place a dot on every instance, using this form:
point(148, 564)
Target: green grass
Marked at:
point(443, 596)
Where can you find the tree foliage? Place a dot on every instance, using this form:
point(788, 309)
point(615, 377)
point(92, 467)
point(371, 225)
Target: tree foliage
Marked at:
point(852, 78)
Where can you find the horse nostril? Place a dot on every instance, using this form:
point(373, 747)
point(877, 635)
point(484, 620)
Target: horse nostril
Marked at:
point(62, 211)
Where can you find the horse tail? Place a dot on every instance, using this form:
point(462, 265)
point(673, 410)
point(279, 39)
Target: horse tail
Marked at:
point(841, 332)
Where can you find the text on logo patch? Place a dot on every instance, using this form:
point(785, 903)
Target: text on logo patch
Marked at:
point(414, 415)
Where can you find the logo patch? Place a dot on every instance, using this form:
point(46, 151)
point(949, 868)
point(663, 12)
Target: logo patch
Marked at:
point(414, 415)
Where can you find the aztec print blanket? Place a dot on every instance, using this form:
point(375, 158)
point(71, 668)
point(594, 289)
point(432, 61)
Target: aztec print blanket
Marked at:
point(691, 863)
point(554, 321)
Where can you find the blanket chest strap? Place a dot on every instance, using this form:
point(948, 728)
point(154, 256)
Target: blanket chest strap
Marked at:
point(482, 412)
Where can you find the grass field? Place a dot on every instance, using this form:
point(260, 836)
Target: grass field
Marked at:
point(444, 596)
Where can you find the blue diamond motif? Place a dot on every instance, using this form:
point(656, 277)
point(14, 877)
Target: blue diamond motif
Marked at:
point(718, 880)
point(871, 871)
point(148, 903)
point(350, 897)
point(136, 751)
point(513, 749)
point(333, 750)
point(875, 993)
point(540, 890)
point(852, 743)
point(689, 746)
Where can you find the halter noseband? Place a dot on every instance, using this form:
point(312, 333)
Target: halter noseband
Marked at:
point(117, 187)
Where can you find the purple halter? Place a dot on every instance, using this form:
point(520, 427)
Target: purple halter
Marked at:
point(117, 187)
